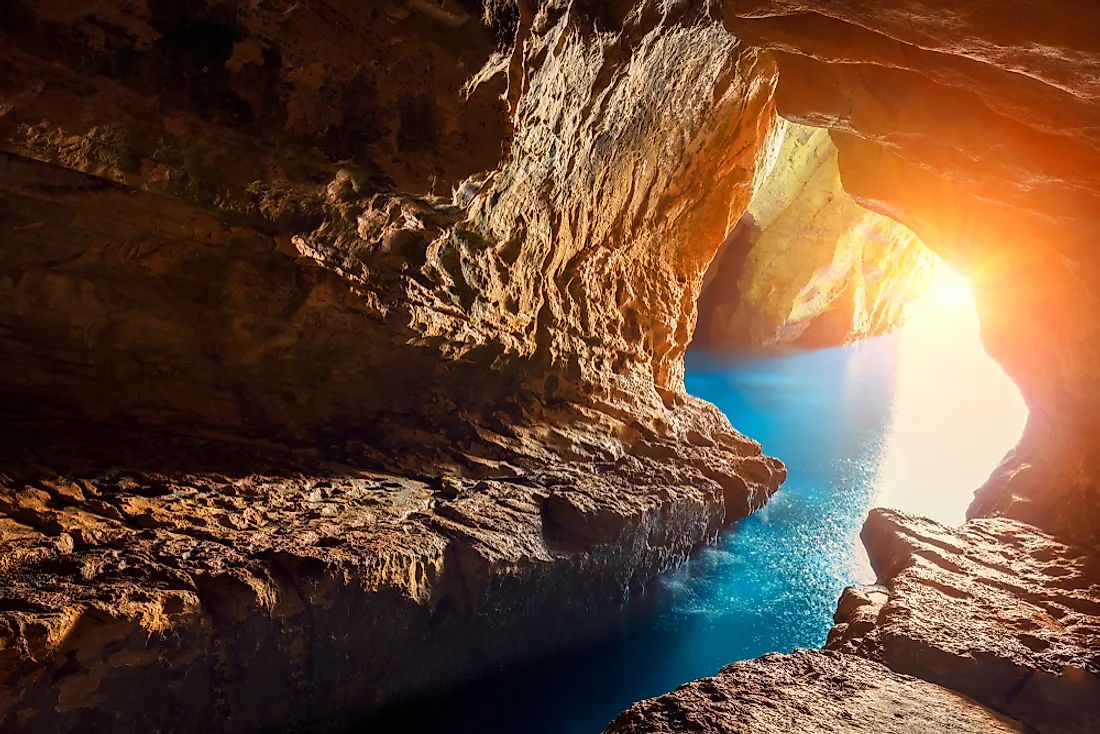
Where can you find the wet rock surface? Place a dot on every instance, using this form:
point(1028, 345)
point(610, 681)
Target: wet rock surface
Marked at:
point(809, 691)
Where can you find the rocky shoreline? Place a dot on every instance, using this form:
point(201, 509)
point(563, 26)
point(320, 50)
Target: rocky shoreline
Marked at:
point(993, 626)
point(303, 590)
point(343, 342)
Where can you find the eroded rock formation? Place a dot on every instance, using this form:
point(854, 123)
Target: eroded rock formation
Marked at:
point(337, 334)
point(997, 611)
point(807, 264)
point(977, 126)
point(286, 435)
point(810, 692)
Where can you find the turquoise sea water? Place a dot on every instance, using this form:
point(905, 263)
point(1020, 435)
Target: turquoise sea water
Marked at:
point(913, 420)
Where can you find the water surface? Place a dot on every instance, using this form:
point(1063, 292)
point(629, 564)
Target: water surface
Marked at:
point(915, 420)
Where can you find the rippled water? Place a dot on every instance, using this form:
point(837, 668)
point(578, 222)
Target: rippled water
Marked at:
point(915, 420)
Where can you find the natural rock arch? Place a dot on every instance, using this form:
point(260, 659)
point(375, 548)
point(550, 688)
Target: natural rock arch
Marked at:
point(261, 386)
point(977, 129)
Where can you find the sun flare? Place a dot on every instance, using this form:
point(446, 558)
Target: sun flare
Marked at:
point(947, 291)
point(943, 371)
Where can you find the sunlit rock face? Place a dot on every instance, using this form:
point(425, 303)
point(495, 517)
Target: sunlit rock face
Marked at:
point(997, 610)
point(977, 126)
point(819, 268)
point(287, 434)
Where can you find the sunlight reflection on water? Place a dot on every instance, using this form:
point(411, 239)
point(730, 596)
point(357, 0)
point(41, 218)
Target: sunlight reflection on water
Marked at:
point(915, 420)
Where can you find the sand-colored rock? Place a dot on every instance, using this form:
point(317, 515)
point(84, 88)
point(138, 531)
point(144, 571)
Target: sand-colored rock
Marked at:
point(997, 610)
point(286, 436)
point(819, 269)
point(977, 126)
point(809, 692)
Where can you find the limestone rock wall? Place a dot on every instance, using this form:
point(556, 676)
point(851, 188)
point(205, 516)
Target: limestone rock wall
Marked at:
point(820, 269)
point(997, 610)
point(342, 342)
point(977, 126)
point(991, 626)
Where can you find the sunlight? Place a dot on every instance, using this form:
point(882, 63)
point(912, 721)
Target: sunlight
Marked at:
point(932, 466)
point(947, 291)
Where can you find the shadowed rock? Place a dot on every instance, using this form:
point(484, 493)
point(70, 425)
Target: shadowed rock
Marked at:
point(809, 692)
point(289, 436)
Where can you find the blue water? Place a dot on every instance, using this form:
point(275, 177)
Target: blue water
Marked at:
point(915, 420)
point(772, 582)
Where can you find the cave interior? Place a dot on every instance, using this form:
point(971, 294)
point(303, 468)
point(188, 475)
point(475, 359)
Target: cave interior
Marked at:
point(343, 345)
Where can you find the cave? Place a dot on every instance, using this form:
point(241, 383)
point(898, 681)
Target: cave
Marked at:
point(347, 351)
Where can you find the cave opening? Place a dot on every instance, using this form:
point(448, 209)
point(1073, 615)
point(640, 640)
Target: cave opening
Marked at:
point(814, 303)
point(869, 381)
point(290, 438)
point(924, 410)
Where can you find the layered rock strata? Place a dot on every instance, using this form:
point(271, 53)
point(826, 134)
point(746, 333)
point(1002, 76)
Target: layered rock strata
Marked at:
point(289, 436)
point(997, 610)
point(994, 619)
point(810, 692)
point(978, 128)
point(808, 265)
